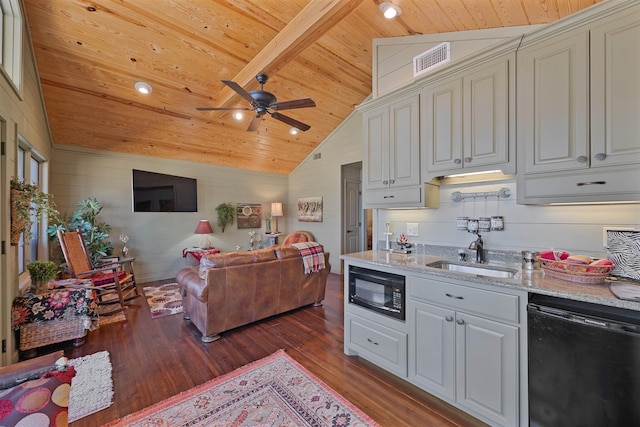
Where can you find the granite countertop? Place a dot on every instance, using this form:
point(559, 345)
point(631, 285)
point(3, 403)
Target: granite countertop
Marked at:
point(528, 281)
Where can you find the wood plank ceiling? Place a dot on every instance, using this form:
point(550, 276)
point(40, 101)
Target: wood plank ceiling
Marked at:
point(90, 54)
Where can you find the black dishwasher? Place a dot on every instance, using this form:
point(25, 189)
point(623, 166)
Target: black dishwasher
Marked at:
point(584, 364)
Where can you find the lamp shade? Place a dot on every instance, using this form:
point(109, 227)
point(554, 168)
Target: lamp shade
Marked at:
point(276, 209)
point(203, 227)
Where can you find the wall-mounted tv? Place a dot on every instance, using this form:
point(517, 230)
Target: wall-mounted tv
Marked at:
point(158, 192)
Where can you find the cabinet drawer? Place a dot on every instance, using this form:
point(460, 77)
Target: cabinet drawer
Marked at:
point(589, 186)
point(379, 344)
point(491, 304)
point(403, 197)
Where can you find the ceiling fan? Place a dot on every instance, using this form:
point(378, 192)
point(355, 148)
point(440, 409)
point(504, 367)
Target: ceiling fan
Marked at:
point(263, 102)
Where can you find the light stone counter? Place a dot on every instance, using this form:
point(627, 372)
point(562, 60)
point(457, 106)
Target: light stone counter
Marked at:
point(532, 282)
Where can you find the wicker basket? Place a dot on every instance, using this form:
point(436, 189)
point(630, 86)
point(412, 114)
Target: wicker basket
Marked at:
point(580, 273)
point(33, 335)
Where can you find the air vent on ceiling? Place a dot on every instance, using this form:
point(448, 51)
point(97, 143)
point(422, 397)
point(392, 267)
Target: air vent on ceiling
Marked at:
point(432, 58)
point(317, 156)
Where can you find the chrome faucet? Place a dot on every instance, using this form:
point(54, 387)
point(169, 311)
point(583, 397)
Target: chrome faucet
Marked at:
point(478, 246)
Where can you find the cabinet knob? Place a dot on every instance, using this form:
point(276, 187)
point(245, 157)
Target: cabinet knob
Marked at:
point(601, 156)
point(467, 159)
point(449, 318)
point(581, 159)
point(385, 182)
point(460, 322)
point(392, 181)
point(457, 161)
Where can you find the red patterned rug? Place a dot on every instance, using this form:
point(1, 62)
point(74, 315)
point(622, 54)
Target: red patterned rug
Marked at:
point(273, 391)
point(163, 300)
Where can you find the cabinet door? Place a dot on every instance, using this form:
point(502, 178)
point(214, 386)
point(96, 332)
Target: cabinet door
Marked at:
point(376, 140)
point(441, 113)
point(486, 115)
point(553, 103)
point(404, 144)
point(487, 368)
point(432, 351)
point(615, 91)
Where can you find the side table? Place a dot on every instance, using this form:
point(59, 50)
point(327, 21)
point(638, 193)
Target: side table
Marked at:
point(58, 315)
point(272, 238)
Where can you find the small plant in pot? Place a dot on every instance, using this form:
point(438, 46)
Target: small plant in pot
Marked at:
point(225, 213)
point(28, 202)
point(41, 273)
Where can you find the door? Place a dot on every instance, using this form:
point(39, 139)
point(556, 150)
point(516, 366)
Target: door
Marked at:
point(352, 216)
point(432, 352)
point(487, 368)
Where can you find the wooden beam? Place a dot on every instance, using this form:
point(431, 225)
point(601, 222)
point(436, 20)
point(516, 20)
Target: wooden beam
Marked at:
point(309, 25)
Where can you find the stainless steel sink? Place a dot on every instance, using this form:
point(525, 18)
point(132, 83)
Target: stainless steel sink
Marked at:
point(478, 270)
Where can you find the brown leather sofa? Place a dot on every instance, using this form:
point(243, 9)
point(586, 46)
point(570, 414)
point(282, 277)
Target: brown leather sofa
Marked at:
point(237, 288)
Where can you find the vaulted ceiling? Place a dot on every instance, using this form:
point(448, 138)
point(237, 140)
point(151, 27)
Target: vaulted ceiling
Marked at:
point(90, 54)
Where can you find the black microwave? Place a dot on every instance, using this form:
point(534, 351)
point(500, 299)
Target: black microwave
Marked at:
point(378, 291)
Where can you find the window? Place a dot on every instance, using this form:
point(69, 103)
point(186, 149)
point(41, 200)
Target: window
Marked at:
point(11, 34)
point(29, 170)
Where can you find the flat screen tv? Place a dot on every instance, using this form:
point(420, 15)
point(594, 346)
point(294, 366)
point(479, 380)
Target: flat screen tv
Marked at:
point(158, 192)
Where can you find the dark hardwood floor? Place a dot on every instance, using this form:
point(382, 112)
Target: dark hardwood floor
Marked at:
point(154, 359)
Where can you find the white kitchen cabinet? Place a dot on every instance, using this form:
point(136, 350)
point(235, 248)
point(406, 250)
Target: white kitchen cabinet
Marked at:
point(464, 347)
point(468, 120)
point(392, 152)
point(578, 108)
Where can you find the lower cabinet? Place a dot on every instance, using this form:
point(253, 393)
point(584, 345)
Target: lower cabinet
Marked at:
point(467, 359)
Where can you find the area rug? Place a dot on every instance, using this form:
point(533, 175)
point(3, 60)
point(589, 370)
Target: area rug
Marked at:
point(92, 387)
point(163, 300)
point(273, 391)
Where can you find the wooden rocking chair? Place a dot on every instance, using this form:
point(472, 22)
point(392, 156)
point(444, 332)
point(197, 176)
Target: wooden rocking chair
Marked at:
point(114, 278)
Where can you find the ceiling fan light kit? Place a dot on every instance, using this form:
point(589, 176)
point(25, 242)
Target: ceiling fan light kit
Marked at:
point(263, 102)
point(143, 87)
point(390, 10)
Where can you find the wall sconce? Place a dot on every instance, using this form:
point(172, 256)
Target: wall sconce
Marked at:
point(390, 10)
point(143, 87)
point(276, 211)
point(203, 229)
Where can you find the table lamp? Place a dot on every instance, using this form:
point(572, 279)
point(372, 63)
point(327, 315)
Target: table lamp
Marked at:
point(276, 211)
point(203, 229)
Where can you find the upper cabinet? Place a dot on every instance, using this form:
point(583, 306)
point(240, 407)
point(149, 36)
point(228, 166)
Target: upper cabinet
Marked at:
point(578, 109)
point(392, 153)
point(468, 120)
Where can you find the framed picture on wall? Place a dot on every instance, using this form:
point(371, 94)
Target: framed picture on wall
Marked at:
point(310, 209)
point(249, 215)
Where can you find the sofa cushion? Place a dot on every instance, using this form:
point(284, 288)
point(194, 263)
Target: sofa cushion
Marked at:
point(285, 252)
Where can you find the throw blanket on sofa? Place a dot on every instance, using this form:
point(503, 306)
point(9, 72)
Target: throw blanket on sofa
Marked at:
point(312, 256)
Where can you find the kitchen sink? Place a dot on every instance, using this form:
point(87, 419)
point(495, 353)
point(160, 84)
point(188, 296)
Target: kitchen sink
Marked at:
point(478, 270)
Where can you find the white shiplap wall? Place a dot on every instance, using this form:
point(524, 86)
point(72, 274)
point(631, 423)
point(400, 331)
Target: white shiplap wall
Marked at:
point(157, 239)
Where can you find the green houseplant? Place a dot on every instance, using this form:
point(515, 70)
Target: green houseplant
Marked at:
point(28, 202)
point(95, 232)
point(225, 213)
point(41, 272)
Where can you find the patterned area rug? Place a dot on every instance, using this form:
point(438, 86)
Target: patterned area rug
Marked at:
point(163, 300)
point(92, 387)
point(274, 391)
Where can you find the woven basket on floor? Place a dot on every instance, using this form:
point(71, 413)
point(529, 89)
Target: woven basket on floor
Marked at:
point(33, 335)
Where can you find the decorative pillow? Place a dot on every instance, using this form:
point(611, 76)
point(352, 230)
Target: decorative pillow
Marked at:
point(296, 237)
point(40, 402)
point(106, 278)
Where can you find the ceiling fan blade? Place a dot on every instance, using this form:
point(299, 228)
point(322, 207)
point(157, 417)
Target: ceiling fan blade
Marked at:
point(288, 120)
point(222, 108)
point(240, 91)
point(295, 103)
point(253, 126)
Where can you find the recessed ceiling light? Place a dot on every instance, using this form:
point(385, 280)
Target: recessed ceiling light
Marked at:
point(390, 10)
point(238, 115)
point(294, 131)
point(143, 87)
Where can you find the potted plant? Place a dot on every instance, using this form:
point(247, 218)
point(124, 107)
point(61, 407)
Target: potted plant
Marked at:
point(95, 232)
point(41, 273)
point(225, 213)
point(28, 202)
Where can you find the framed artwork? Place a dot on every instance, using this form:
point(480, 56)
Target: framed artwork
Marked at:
point(310, 209)
point(249, 215)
